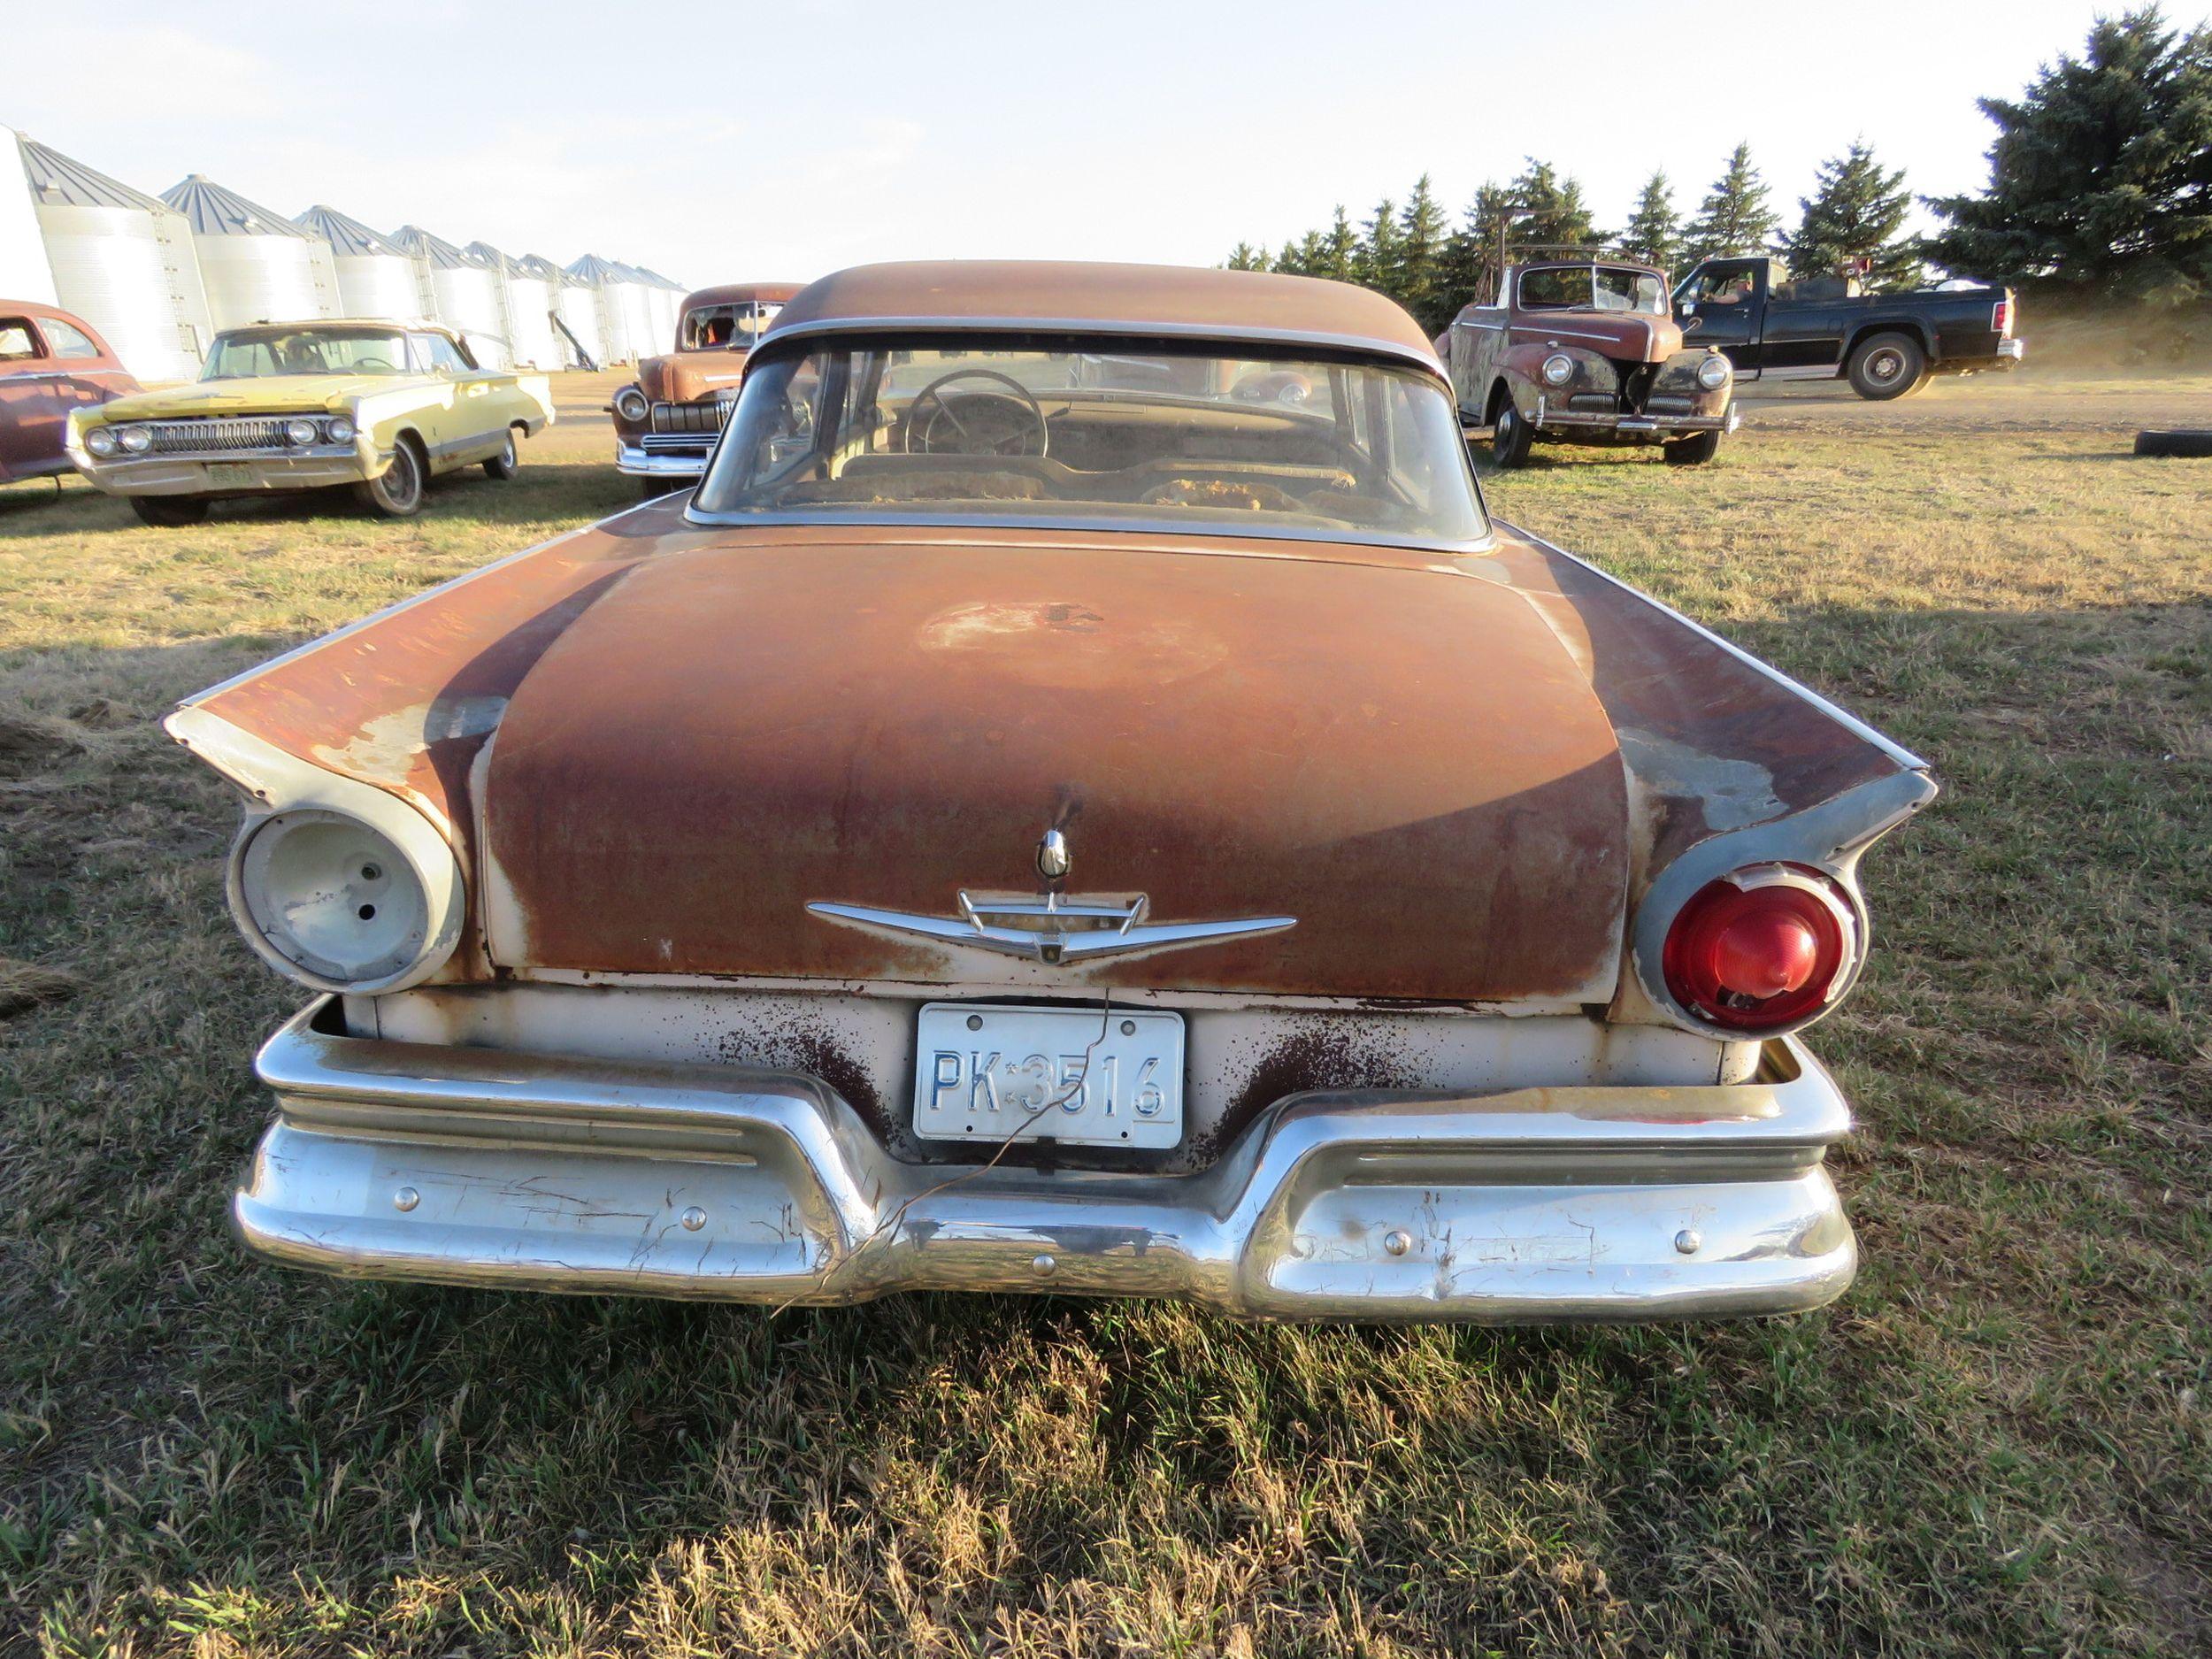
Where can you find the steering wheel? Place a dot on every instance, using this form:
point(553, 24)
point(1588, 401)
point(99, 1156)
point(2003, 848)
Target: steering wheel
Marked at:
point(377, 364)
point(995, 422)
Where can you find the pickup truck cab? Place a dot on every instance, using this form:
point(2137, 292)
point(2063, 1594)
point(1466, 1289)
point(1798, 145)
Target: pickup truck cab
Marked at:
point(1887, 345)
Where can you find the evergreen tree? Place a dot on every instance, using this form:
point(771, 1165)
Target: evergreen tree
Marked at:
point(1245, 257)
point(1734, 216)
point(1557, 216)
point(1654, 231)
point(2101, 177)
point(1421, 234)
point(1340, 248)
point(1381, 263)
point(1852, 222)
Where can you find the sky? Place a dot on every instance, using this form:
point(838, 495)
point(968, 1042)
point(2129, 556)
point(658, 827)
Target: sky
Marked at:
point(743, 142)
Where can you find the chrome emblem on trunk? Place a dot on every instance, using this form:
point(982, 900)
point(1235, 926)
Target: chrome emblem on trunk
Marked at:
point(1053, 859)
point(1052, 929)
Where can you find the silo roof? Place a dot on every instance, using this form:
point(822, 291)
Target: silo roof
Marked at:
point(346, 235)
point(211, 211)
point(414, 240)
point(665, 282)
point(484, 254)
point(58, 182)
point(539, 266)
point(596, 270)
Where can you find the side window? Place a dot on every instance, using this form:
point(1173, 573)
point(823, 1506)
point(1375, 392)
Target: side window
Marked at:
point(69, 340)
point(438, 356)
point(18, 343)
point(1723, 288)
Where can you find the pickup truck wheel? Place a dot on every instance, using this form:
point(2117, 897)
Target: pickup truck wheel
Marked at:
point(1692, 451)
point(506, 463)
point(1887, 366)
point(396, 492)
point(170, 512)
point(1510, 438)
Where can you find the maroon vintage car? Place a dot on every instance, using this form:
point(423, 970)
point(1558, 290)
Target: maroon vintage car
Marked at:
point(1584, 351)
point(1042, 817)
point(51, 362)
point(666, 421)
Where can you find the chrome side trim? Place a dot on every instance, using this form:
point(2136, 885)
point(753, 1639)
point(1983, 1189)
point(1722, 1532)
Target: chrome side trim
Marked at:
point(488, 1167)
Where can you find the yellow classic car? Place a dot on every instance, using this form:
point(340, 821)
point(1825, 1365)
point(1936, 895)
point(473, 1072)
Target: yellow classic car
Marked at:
point(382, 406)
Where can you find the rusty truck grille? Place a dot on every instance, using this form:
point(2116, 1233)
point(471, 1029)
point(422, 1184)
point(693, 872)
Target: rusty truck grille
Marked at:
point(1667, 403)
point(676, 443)
point(217, 437)
point(708, 418)
point(1601, 402)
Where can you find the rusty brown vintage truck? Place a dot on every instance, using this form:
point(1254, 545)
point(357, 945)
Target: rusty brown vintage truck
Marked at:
point(666, 420)
point(1082, 797)
point(1584, 351)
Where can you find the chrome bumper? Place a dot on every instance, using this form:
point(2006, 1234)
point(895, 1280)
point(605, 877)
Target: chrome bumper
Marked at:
point(633, 462)
point(244, 474)
point(2011, 351)
point(1608, 423)
point(481, 1166)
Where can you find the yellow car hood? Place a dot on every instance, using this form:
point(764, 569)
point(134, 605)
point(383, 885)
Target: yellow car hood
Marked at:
point(260, 394)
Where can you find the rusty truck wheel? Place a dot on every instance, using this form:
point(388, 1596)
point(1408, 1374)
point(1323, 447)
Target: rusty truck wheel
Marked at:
point(1692, 451)
point(1887, 366)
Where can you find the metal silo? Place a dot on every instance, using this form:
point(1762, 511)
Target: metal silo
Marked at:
point(376, 278)
point(23, 272)
point(607, 285)
point(530, 292)
point(577, 302)
point(668, 298)
point(469, 297)
point(256, 266)
point(636, 289)
point(121, 260)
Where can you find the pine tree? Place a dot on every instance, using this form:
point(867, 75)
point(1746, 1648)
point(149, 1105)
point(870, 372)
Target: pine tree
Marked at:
point(1340, 248)
point(2101, 177)
point(1734, 216)
point(1556, 218)
point(1654, 231)
point(1381, 265)
point(1245, 257)
point(1421, 233)
point(1852, 223)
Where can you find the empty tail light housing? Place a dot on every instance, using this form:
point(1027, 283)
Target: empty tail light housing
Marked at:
point(1763, 948)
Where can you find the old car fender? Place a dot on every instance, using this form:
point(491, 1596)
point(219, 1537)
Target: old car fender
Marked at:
point(1678, 378)
point(1523, 370)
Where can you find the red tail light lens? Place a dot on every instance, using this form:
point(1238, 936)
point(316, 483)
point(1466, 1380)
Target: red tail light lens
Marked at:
point(1762, 948)
point(2001, 318)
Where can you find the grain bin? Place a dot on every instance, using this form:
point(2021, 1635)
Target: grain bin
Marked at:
point(256, 264)
point(471, 298)
point(577, 303)
point(635, 291)
point(23, 272)
point(376, 277)
point(530, 340)
point(607, 288)
point(121, 260)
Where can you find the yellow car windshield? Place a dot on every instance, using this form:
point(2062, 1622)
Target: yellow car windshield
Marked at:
point(249, 353)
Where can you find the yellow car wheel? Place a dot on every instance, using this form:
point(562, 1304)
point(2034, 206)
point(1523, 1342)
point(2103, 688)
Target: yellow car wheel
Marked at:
point(396, 492)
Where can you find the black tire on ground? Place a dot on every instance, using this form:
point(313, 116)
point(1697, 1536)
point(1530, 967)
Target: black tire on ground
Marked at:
point(396, 492)
point(506, 463)
point(1887, 366)
point(1692, 451)
point(654, 489)
point(2186, 440)
point(170, 512)
point(1510, 438)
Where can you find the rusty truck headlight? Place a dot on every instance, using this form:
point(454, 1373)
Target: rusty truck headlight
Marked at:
point(632, 405)
point(1558, 369)
point(1712, 375)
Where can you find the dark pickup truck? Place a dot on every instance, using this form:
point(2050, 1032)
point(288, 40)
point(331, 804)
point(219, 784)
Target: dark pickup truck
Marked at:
point(1884, 344)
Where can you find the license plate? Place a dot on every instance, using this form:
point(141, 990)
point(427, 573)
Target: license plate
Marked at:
point(230, 474)
point(1067, 1074)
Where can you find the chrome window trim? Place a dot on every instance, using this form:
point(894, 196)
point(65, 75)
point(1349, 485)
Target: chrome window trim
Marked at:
point(1133, 526)
point(1363, 345)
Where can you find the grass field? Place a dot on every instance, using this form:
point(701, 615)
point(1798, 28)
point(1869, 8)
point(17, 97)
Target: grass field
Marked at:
point(2000, 1442)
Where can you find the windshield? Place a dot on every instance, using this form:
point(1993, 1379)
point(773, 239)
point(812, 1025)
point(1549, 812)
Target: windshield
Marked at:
point(245, 353)
point(1096, 433)
point(1602, 287)
point(712, 327)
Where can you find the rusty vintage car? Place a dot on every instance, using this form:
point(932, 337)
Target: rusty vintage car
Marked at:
point(51, 363)
point(1039, 817)
point(666, 420)
point(1584, 351)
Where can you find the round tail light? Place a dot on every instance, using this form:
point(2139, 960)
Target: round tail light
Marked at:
point(1764, 946)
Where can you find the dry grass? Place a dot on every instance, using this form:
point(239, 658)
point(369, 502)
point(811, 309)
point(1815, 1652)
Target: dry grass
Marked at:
point(1998, 1442)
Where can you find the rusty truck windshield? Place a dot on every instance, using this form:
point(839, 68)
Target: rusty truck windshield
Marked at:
point(1601, 288)
point(1097, 433)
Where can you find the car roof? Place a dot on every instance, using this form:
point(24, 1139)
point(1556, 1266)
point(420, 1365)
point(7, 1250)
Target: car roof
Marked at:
point(738, 293)
point(406, 325)
point(1145, 300)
